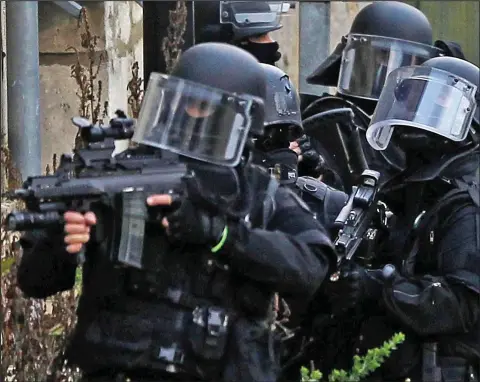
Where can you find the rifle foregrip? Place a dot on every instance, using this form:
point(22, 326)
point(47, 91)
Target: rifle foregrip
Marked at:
point(25, 221)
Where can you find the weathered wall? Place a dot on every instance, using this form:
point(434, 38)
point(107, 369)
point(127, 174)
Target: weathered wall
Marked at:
point(341, 17)
point(287, 38)
point(58, 99)
point(342, 14)
point(124, 46)
point(119, 27)
point(3, 96)
point(3, 72)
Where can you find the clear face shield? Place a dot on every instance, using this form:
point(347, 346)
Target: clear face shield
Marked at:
point(425, 98)
point(367, 61)
point(252, 14)
point(195, 121)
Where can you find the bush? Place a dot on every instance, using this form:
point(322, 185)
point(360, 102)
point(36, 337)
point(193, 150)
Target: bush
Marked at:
point(33, 331)
point(362, 365)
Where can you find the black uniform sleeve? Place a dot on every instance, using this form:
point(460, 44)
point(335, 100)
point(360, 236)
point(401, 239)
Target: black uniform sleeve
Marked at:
point(448, 301)
point(293, 256)
point(46, 267)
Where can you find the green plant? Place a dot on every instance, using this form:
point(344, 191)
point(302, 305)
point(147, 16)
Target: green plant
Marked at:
point(362, 365)
point(34, 332)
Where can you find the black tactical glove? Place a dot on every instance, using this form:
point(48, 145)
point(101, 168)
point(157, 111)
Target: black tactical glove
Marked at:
point(312, 163)
point(190, 224)
point(355, 286)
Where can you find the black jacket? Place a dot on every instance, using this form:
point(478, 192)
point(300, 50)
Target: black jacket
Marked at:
point(127, 318)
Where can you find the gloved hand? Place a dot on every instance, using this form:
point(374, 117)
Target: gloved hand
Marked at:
point(355, 286)
point(310, 162)
point(192, 225)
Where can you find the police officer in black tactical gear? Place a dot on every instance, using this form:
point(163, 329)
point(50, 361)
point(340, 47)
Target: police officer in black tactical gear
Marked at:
point(247, 24)
point(283, 124)
point(431, 290)
point(205, 312)
point(384, 35)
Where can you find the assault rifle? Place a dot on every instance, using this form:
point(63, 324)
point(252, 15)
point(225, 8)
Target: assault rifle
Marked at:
point(116, 188)
point(359, 221)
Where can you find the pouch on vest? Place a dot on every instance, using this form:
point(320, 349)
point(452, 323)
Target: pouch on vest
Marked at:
point(208, 332)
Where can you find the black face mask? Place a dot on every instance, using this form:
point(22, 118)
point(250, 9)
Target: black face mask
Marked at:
point(266, 53)
point(420, 147)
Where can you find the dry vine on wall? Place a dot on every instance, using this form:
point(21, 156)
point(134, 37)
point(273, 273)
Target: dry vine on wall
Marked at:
point(172, 43)
point(135, 89)
point(34, 332)
point(171, 48)
point(90, 90)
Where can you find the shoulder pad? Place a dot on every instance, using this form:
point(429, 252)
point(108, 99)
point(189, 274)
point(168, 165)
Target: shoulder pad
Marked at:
point(313, 186)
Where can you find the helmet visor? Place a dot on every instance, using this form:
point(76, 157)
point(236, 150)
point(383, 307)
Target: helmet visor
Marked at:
point(367, 61)
point(425, 98)
point(251, 14)
point(194, 120)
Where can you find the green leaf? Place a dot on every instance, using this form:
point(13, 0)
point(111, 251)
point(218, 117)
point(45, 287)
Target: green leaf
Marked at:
point(304, 372)
point(78, 275)
point(362, 365)
point(6, 265)
point(77, 287)
point(57, 330)
point(317, 375)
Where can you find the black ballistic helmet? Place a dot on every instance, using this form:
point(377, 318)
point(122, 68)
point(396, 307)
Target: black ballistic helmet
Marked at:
point(427, 108)
point(231, 21)
point(463, 69)
point(392, 19)
point(206, 109)
point(282, 104)
point(216, 65)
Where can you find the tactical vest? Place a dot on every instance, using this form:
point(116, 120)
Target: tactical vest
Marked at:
point(176, 318)
point(458, 355)
point(429, 226)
